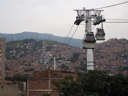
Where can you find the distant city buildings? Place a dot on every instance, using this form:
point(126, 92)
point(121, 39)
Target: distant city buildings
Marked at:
point(2, 58)
point(28, 56)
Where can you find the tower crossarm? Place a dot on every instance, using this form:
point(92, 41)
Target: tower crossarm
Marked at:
point(84, 13)
point(94, 15)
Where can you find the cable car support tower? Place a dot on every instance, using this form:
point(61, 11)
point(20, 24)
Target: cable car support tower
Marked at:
point(90, 16)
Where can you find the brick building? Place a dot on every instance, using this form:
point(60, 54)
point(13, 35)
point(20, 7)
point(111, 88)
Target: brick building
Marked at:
point(42, 83)
point(2, 58)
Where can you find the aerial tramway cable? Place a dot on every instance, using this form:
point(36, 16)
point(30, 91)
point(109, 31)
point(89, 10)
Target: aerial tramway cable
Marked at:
point(115, 22)
point(117, 19)
point(73, 34)
point(68, 33)
point(112, 5)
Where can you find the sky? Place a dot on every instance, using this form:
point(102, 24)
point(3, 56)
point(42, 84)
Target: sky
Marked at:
point(57, 16)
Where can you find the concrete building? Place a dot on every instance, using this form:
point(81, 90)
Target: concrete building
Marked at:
point(2, 58)
point(9, 90)
point(42, 82)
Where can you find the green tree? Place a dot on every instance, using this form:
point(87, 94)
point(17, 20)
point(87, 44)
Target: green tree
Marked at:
point(92, 83)
point(75, 57)
point(68, 87)
point(19, 77)
point(119, 85)
point(46, 95)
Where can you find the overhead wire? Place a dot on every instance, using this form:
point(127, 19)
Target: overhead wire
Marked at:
point(111, 5)
point(68, 33)
point(115, 22)
point(73, 34)
point(116, 19)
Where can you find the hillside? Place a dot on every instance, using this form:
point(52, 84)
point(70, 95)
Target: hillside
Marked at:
point(112, 55)
point(21, 48)
point(34, 55)
point(40, 36)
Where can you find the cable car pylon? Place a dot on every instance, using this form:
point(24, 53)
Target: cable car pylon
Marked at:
point(90, 16)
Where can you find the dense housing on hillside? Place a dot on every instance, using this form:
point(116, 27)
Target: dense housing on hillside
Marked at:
point(2, 58)
point(29, 56)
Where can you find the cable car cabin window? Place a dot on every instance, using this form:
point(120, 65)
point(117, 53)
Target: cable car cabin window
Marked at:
point(89, 37)
point(100, 32)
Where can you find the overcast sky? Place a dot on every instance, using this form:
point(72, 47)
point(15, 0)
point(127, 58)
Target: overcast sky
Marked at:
point(57, 16)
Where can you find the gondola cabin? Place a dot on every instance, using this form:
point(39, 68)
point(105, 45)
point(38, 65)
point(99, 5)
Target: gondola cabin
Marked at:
point(68, 60)
point(89, 41)
point(100, 34)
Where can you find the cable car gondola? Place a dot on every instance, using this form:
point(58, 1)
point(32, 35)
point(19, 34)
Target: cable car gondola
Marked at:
point(100, 34)
point(89, 41)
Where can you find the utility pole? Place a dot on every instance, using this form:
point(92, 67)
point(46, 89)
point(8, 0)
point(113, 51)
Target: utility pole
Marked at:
point(89, 16)
point(54, 63)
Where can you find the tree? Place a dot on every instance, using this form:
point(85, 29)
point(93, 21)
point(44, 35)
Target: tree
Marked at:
point(46, 95)
point(19, 77)
point(92, 83)
point(64, 67)
point(68, 87)
point(119, 85)
point(75, 57)
point(81, 68)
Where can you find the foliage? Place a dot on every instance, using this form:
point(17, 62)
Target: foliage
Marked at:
point(75, 57)
point(29, 70)
point(119, 85)
point(68, 87)
point(94, 83)
point(64, 67)
point(81, 68)
point(46, 95)
point(18, 77)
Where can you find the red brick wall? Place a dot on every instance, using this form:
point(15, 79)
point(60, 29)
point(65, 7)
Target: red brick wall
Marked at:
point(36, 93)
point(39, 82)
point(54, 93)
